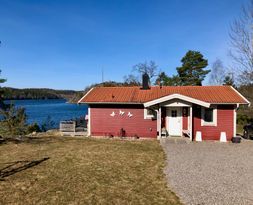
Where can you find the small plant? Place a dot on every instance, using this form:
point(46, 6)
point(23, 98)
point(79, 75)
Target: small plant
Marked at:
point(33, 128)
point(47, 124)
point(13, 121)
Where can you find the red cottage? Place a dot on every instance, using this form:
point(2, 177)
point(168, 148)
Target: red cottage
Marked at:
point(154, 112)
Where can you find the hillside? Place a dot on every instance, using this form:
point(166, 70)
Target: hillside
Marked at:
point(37, 93)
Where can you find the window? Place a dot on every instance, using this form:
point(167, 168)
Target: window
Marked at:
point(173, 113)
point(149, 113)
point(209, 116)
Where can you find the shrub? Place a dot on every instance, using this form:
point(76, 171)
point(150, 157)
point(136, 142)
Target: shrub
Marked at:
point(13, 121)
point(33, 128)
point(243, 119)
point(48, 124)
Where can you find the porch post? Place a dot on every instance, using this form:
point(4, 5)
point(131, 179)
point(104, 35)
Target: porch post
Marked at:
point(89, 123)
point(191, 123)
point(159, 122)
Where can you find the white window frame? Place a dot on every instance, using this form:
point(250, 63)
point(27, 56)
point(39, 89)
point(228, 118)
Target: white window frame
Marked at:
point(146, 115)
point(203, 122)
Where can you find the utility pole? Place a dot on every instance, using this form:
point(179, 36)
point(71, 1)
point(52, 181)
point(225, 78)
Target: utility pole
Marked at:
point(102, 75)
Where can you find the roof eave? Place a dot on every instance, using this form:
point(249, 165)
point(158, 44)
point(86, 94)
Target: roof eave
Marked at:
point(80, 101)
point(245, 99)
point(229, 103)
point(129, 103)
point(176, 96)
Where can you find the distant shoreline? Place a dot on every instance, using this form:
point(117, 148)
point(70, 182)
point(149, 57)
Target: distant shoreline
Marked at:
point(66, 100)
point(9, 99)
point(70, 96)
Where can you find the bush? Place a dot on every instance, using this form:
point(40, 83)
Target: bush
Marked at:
point(33, 128)
point(13, 121)
point(243, 119)
point(48, 124)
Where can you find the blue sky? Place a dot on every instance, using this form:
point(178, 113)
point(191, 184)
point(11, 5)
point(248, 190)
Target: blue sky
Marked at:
point(65, 44)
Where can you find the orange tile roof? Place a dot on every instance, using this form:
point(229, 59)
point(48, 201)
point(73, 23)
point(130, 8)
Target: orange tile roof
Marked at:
point(209, 94)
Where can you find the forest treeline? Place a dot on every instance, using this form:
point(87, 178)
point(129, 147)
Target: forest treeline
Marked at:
point(36, 93)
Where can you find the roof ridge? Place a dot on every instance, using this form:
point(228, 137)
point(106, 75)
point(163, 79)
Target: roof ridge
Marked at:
point(166, 86)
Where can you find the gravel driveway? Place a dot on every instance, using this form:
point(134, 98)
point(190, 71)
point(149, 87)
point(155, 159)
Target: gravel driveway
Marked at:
point(210, 172)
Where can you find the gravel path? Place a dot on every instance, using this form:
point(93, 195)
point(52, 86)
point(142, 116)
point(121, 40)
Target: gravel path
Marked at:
point(210, 172)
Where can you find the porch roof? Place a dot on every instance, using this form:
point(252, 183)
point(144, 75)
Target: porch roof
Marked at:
point(136, 95)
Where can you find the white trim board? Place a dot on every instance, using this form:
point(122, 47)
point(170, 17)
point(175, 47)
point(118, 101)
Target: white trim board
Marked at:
point(176, 96)
point(176, 103)
point(248, 102)
point(79, 101)
point(235, 119)
point(146, 115)
point(89, 121)
point(214, 123)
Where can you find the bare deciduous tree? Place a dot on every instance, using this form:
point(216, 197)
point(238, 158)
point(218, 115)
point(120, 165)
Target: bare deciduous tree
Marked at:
point(217, 74)
point(131, 80)
point(241, 38)
point(147, 67)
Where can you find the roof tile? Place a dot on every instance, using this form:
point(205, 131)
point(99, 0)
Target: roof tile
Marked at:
point(209, 94)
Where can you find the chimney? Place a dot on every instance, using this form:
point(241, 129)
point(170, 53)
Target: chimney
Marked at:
point(145, 82)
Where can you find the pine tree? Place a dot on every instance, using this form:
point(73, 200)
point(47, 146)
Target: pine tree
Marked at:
point(229, 81)
point(165, 80)
point(192, 70)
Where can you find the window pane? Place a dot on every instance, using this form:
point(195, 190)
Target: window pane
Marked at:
point(149, 112)
point(173, 113)
point(208, 115)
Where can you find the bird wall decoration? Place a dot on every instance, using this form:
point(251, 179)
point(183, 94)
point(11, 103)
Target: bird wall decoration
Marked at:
point(121, 112)
point(112, 114)
point(130, 114)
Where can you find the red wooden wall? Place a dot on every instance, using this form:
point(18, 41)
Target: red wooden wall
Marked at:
point(185, 113)
point(225, 123)
point(102, 124)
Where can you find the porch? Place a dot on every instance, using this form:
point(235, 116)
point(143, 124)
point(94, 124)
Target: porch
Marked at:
point(174, 121)
point(174, 114)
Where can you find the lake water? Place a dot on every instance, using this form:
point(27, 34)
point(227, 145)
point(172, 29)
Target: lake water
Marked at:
point(39, 110)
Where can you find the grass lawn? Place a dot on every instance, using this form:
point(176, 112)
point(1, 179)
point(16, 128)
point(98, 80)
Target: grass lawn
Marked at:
point(83, 171)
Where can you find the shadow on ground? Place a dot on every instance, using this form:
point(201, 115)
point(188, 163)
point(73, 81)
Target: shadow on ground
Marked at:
point(18, 166)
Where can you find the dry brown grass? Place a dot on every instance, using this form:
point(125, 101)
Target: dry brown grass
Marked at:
point(85, 171)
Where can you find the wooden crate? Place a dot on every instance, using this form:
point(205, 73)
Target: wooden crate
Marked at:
point(67, 126)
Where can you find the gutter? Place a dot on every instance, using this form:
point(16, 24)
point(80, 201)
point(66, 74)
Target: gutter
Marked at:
point(119, 103)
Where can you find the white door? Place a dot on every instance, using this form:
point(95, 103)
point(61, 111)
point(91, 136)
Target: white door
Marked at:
point(174, 121)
